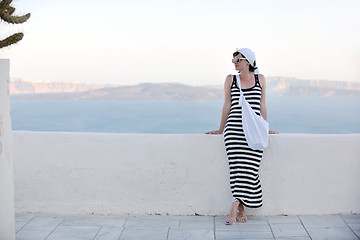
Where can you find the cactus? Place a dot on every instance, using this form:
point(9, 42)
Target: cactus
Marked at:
point(6, 14)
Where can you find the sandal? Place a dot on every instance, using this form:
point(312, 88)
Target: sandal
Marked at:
point(230, 221)
point(241, 218)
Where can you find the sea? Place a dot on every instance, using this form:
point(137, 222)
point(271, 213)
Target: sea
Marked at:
point(286, 114)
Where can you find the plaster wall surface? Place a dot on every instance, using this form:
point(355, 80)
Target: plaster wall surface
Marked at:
point(141, 174)
point(7, 212)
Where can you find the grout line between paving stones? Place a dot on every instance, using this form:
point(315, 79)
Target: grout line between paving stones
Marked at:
point(214, 228)
point(97, 232)
point(121, 233)
point(54, 228)
point(349, 226)
point(126, 219)
point(26, 223)
point(304, 226)
point(267, 219)
point(167, 235)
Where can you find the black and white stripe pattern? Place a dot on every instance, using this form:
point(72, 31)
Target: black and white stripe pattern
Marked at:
point(244, 162)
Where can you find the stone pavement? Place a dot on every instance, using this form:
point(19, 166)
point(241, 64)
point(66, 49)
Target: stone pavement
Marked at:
point(91, 227)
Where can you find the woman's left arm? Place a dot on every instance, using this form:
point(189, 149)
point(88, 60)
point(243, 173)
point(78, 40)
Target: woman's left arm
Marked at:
point(263, 110)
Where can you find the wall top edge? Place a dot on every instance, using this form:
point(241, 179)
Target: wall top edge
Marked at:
point(175, 134)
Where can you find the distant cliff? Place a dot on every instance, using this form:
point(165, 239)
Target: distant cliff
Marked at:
point(144, 91)
point(276, 86)
point(295, 87)
point(19, 85)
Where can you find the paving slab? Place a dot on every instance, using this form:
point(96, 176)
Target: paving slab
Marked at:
point(283, 219)
point(257, 220)
point(323, 221)
point(260, 225)
point(239, 234)
point(197, 223)
point(151, 223)
point(74, 233)
point(109, 233)
point(19, 225)
point(288, 230)
point(244, 227)
point(293, 238)
point(198, 234)
point(351, 218)
point(192, 217)
point(40, 223)
point(23, 217)
point(144, 234)
point(32, 235)
point(354, 226)
point(103, 221)
point(332, 233)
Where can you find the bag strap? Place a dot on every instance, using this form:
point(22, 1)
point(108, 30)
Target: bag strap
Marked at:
point(238, 82)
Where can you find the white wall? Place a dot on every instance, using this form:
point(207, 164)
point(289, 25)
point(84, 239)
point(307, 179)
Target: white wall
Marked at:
point(180, 174)
point(7, 212)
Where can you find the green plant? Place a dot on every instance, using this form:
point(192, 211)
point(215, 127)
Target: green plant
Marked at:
point(6, 14)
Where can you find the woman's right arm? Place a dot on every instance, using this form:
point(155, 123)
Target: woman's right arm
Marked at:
point(226, 107)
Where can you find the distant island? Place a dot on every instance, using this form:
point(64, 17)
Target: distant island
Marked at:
point(276, 86)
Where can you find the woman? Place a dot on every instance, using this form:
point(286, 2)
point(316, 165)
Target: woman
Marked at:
point(244, 162)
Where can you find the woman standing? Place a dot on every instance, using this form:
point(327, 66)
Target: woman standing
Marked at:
point(244, 162)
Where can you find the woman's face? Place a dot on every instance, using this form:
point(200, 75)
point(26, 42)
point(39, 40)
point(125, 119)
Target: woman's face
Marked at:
point(242, 64)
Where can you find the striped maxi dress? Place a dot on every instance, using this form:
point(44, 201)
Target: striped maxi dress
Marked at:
point(244, 162)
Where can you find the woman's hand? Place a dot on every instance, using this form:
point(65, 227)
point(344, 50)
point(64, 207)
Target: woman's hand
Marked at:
point(214, 132)
point(273, 132)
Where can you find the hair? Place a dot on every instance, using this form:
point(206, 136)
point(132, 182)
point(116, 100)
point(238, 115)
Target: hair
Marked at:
point(251, 68)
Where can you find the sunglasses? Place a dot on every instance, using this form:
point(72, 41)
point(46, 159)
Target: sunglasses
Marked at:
point(236, 60)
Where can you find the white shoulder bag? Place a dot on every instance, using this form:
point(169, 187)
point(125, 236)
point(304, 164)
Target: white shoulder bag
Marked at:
point(256, 128)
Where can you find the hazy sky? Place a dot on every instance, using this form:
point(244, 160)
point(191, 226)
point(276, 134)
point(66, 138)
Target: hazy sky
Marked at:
point(187, 41)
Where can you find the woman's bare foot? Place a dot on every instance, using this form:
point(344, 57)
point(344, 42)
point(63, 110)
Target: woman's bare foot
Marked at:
point(233, 213)
point(241, 216)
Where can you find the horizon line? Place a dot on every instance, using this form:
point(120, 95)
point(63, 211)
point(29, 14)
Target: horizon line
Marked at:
point(195, 85)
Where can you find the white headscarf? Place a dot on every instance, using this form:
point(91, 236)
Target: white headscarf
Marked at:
point(249, 55)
